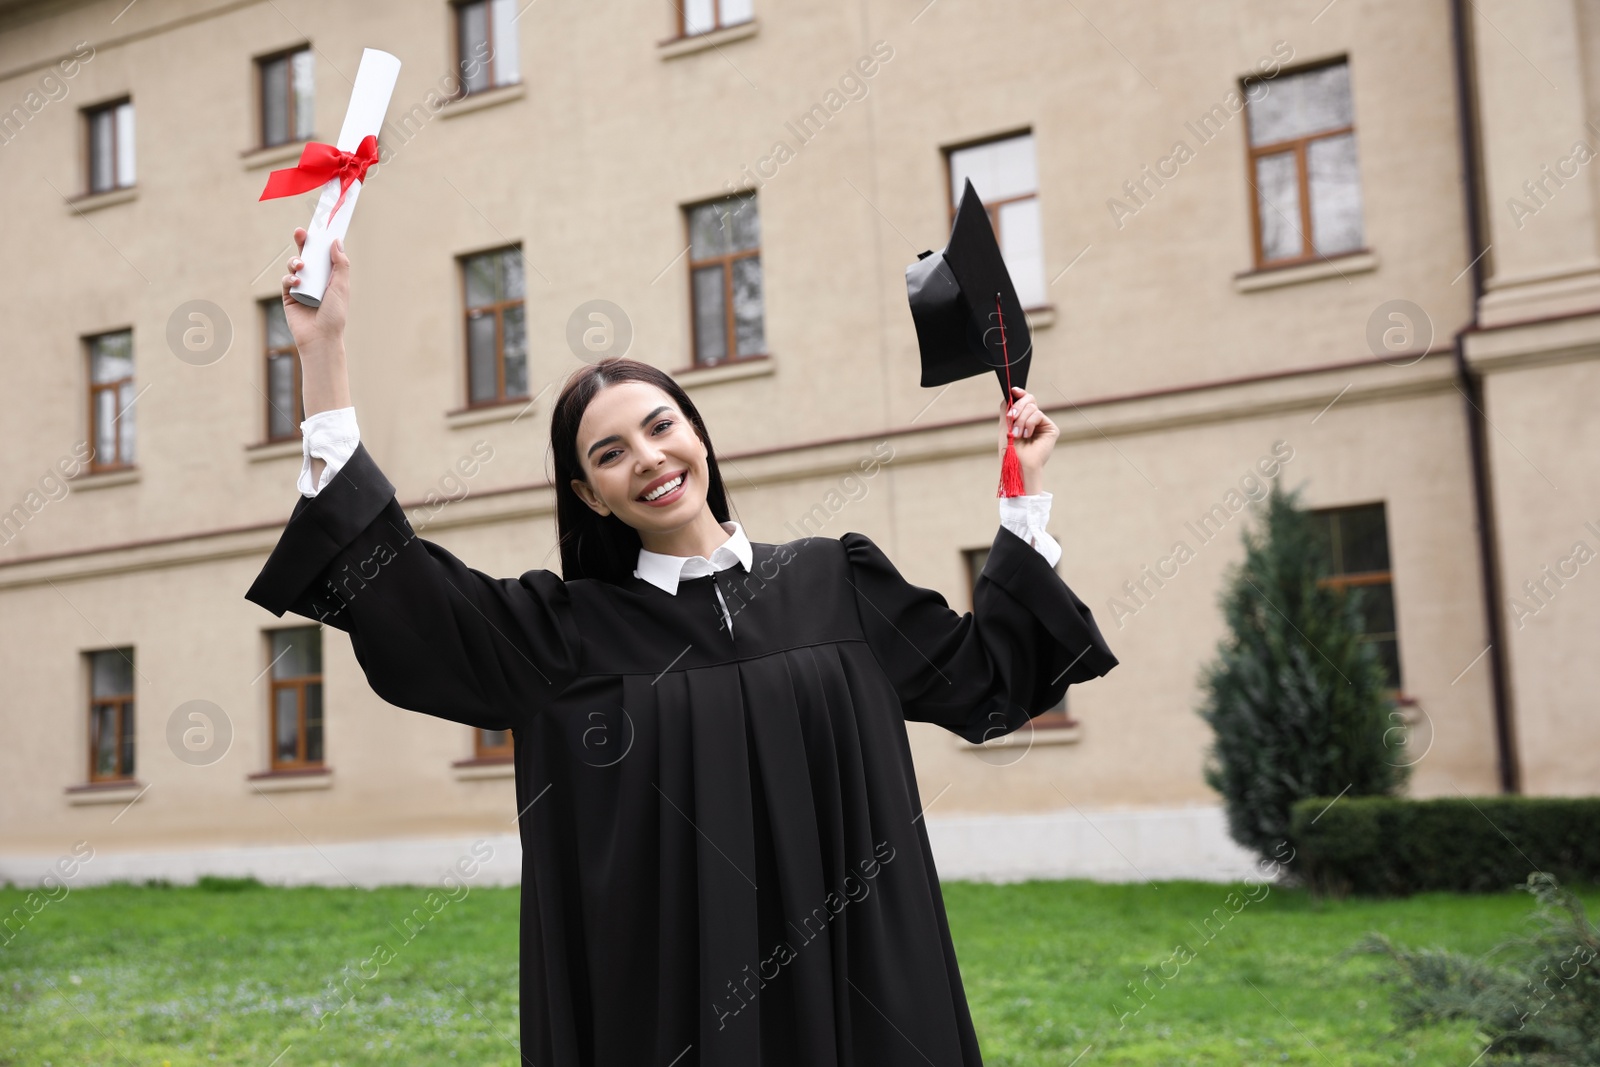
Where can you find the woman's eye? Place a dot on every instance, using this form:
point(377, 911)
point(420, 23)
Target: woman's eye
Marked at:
point(663, 422)
point(606, 458)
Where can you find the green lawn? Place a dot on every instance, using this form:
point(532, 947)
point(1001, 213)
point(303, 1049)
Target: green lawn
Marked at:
point(184, 976)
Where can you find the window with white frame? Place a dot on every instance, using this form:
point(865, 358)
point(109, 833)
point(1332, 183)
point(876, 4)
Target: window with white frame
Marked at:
point(1006, 177)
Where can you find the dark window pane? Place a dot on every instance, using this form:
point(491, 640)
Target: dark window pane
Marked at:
point(480, 272)
point(286, 726)
point(1363, 539)
point(275, 101)
point(1335, 194)
point(744, 221)
point(1389, 655)
point(511, 282)
point(280, 389)
point(1278, 204)
point(1297, 105)
point(516, 351)
point(1377, 608)
point(710, 319)
point(126, 767)
point(710, 230)
point(747, 314)
point(278, 335)
point(111, 673)
point(102, 162)
point(481, 356)
point(104, 741)
point(296, 652)
point(314, 722)
point(112, 356)
point(473, 20)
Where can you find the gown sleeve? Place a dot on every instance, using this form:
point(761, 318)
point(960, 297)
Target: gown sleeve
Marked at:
point(987, 672)
point(430, 633)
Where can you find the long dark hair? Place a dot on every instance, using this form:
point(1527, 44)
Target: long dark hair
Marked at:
point(603, 546)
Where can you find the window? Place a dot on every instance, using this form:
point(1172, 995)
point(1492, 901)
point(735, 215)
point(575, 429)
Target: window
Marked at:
point(285, 403)
point(497, 342)
point(111, 400)
point(1054, 718)
point(296, 697)
point(1303, 175)
point(285, 82)
point(111, 715)
point(491, 744)
point(725, 280)
point(486, 44)
point(703, 16)
point(1005, 176)
point(1356, 541)
point(110, 155)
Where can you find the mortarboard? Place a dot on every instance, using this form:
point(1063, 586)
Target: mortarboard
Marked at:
point(968, 317)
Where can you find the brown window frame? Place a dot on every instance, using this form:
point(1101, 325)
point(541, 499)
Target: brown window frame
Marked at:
point(292, 122)
point(1300, 145)
point(990, 207)
point(681, 12)
point(486, 753)
point(459, 60)
point(297, 683)
point(498, 308)
point(292, 353)
point(1056, 718)
point(726, 262)
point(96, 462)
point(123, 703)
point(89, 114)
point(1357, 579)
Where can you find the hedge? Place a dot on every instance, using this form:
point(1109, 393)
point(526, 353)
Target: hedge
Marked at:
point(1393, 846)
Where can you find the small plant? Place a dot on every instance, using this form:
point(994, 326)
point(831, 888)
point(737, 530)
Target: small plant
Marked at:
point(1540, 1002)
point(212, 883)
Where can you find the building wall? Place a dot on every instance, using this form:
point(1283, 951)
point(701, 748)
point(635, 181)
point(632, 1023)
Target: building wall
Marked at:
point(1171, 368)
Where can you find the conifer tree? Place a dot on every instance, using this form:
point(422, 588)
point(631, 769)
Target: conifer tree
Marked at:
point(1297, 701)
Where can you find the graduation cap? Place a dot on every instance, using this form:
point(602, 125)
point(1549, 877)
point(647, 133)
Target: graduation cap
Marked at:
point(968, 317)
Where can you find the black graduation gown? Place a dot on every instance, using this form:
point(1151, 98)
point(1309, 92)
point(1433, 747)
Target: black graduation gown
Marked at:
point(723, 852)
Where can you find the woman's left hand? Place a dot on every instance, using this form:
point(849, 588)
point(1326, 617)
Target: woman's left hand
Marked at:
point(1034, 435)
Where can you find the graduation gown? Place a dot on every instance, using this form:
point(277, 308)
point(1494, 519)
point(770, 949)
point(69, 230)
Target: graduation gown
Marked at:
point(724, 858)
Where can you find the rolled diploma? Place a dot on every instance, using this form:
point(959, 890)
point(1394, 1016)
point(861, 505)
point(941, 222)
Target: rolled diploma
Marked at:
point(369, 102)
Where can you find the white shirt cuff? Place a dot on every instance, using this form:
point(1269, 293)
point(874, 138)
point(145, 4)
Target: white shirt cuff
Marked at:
point(331, 436)
point(1026, 516)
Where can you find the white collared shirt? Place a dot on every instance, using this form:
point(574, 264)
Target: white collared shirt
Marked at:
point(332, 436)
point(665, 572)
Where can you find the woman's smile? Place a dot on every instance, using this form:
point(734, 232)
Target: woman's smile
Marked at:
point(667, 489)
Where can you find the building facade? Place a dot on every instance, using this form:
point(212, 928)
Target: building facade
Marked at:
point(1352, 250)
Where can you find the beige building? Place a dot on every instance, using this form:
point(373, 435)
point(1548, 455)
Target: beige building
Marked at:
point(1356, 248)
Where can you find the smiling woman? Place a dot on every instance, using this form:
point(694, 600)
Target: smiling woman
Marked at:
point(695, 798)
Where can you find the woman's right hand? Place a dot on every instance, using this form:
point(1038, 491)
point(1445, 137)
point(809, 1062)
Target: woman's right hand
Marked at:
point(319, 331)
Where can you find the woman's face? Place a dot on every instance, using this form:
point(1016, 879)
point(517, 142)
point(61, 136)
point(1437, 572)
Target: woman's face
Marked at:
point(634, 444)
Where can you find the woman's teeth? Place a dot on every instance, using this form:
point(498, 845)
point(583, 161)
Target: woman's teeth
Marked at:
point(662, 490)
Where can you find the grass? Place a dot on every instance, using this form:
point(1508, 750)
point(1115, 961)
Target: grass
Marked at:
point(233, 973)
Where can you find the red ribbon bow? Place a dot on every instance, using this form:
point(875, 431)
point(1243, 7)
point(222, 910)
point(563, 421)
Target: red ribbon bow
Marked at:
point(319, 163)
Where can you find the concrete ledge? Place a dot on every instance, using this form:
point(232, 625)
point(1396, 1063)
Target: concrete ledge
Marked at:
point(95, 201)
point(1108, 846)
point(103, 479)
point(686, 46)
point(399, 861)
point(289, 153)
point(732, 370)
point(500, 94)
point(1331, 267)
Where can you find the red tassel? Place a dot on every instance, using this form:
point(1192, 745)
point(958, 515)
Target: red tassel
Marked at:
point(1010, 471)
